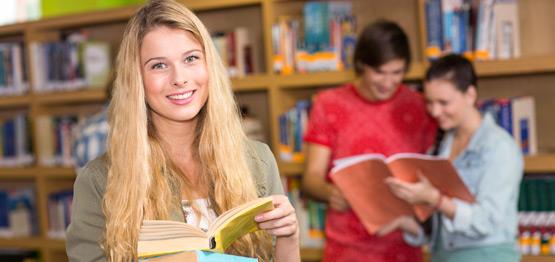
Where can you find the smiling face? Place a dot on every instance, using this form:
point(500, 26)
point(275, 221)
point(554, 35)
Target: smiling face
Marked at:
point(447, 104)
point(174, 74)
point(381, 83)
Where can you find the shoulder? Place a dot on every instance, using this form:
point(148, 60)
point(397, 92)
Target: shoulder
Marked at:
point(496, 142)
point(333, 95)
point(258, 153)
point(94, 174)
point(263, 168)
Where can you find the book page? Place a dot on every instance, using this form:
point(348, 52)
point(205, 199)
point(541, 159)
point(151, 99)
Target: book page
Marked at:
point(348, 161)
point(362, 184)
point(237, 222)
point(159, 237)
point(439, 171)
point(151, 248)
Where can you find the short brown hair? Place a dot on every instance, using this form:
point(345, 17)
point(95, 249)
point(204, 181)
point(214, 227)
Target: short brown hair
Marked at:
point(379, 43)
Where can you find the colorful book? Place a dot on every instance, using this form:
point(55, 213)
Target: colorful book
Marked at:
point(199, 256)
point(159, 237)
point(361, 180)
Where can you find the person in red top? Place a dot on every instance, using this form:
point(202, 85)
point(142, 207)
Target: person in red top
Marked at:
point(375, 114)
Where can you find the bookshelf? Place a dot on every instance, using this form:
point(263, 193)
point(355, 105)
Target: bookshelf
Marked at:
point(532, 74)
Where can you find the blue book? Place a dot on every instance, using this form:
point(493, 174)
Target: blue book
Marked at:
point(524, 136)
point(316, 26)
point(434, 35)
point(200, 256)
point(4, 210)
point(505, 115)
point(9, 138)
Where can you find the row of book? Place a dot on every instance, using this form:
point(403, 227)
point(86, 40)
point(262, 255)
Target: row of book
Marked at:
point(517, 116)
point(75, 63)
point(292, 126)
point(537, 233)
point(322, 40)
point(18, 216)
point(55, 145)
point(13, 77)
point(59, 213)
point(15, 140)
point(483, 29)
point(235, 50)
point(536, 217)
point(310, 214)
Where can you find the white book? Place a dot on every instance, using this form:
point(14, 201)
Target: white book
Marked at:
point(484, 30)
point(507, 34)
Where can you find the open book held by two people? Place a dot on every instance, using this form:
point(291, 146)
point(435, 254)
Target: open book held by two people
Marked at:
point(161, 237)
point(361, 179)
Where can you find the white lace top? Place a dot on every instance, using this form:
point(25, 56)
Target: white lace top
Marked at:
point(207, 214)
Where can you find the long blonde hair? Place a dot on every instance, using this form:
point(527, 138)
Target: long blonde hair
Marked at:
point(143, 182)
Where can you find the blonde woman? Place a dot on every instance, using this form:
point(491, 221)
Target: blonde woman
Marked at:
point(176, 149)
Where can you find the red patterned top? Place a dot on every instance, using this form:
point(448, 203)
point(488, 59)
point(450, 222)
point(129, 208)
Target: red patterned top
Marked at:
point(349, 125)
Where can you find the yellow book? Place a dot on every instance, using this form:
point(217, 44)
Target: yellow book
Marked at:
point(159, 237)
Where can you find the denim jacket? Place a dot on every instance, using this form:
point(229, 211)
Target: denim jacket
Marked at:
point(491, 166)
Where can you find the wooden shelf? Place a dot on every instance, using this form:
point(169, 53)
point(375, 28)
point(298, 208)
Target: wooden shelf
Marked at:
point(251, 83)
point(18, 173)
point(57, 172)
point(112, 16)
point(32, 243)
point(539, 163)
point(13, 29)
point(85, 18)
point(201, 5)
point(311, 254)
point(291, 169)
point(34, 172)
point(56, 244)
point(15, 101)
point(314, 79)
point(517, 66)
point(23, 242)
point(332, 78)
point(538, 259)
point(79, 96)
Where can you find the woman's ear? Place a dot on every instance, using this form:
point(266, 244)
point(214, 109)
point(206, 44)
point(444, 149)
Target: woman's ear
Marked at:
point(471, 95)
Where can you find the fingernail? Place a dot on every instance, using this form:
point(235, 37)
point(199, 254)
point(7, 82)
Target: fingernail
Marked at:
point(257, 218)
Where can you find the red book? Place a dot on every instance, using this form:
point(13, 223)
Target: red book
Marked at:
point(361, 180)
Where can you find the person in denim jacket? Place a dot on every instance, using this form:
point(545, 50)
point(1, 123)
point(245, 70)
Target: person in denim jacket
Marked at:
point(489, 162)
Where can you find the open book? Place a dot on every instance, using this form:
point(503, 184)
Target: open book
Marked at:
point(361, 180)
point(159, 237)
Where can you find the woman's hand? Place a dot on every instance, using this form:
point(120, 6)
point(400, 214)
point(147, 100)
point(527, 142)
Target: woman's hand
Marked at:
point(405, 223)
point(281, 222)
point(337, 200)
point(421, 192)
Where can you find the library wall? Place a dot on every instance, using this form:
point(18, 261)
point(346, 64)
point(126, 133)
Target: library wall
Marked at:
point(267, 94)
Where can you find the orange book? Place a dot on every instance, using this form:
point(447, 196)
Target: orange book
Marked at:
point(361, 180)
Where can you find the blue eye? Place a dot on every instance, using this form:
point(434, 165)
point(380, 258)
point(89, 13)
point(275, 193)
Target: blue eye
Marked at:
point(158, 66)
point(191, 58)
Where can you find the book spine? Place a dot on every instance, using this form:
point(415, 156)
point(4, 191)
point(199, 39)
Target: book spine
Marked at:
point(434, 36)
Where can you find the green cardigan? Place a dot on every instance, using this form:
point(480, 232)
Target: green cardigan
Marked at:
point(87, 220)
